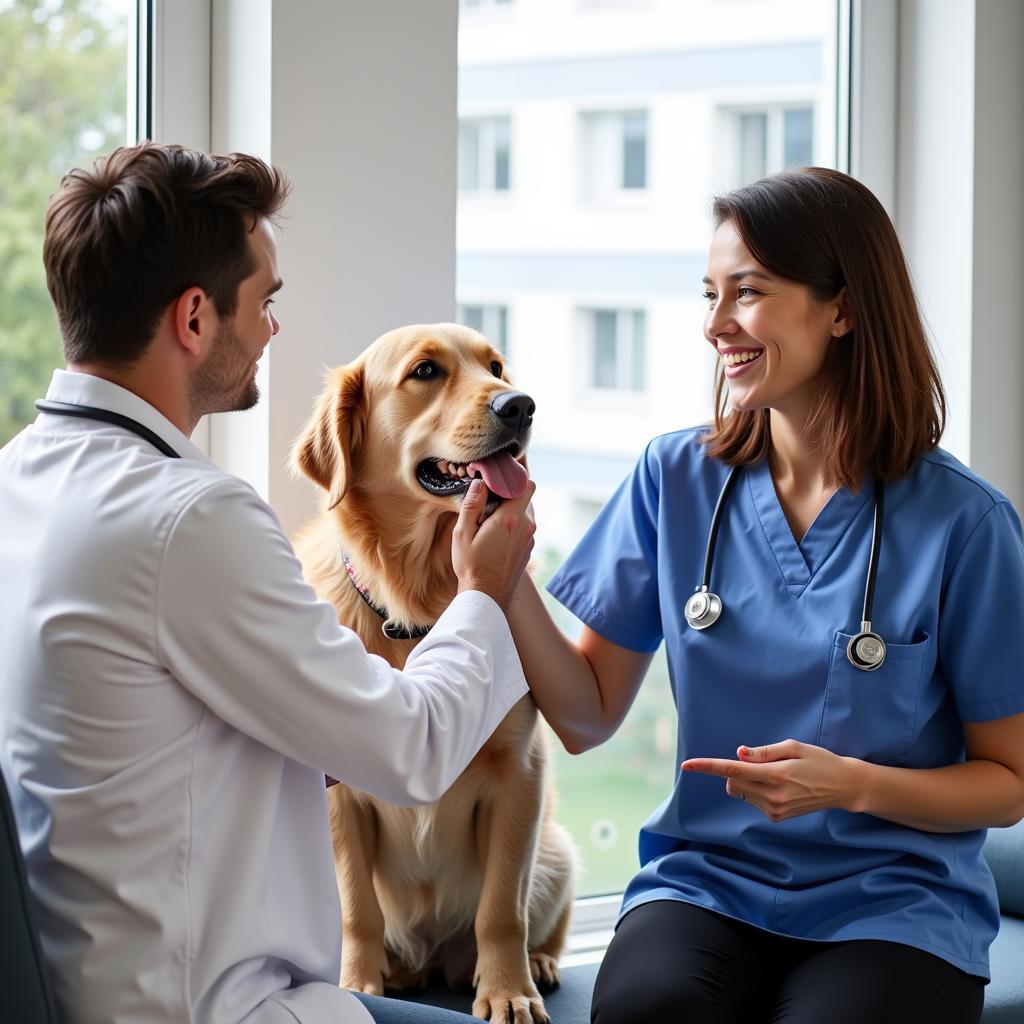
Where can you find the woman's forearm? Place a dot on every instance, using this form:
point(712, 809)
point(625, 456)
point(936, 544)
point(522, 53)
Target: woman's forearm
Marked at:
point(568, 689)
point(955, 798)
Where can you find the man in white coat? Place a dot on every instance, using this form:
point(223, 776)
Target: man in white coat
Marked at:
point(171, 691)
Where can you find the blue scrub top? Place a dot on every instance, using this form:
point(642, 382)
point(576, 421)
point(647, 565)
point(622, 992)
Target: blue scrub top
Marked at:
point(949, 603)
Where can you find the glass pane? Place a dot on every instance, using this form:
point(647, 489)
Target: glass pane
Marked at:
point(469, 157)
point(472, 316)
point(501, 153)
point(605, 346)
point(499, 338)
point(634, 151)
point(798, 137)
point(639, 381)
point(63, 102)
point(753, 147)
point(561, 77)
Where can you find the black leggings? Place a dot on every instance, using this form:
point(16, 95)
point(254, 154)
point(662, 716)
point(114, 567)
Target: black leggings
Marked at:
point(671, 961)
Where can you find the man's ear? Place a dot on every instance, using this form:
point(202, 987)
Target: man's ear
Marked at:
point(323, 451)
point(192, 318)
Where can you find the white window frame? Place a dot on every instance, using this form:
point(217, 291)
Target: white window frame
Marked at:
point(487, 130)
point(729, 125)
point(622, 395)
point(875, 36)
point(491, 320)
point(173, 76)
point(601, 133)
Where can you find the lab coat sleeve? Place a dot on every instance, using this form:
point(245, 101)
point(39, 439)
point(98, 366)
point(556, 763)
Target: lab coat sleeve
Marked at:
point(238, 627)
point(981, 623)
point(610, 581)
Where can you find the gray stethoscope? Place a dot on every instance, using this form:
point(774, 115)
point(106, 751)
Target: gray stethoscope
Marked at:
point(866, 650)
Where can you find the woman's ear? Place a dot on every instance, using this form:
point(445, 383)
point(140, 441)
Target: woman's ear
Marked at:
point(844, 317)
point(323, 451)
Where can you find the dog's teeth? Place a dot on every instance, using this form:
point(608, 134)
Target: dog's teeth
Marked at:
point(442, 465)
point(462, 471)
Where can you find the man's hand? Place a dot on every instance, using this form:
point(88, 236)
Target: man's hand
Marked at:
point(490, 555)
point(785, 780)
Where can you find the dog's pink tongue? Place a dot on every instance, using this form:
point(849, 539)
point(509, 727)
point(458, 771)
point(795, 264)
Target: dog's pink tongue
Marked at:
point(502, 474)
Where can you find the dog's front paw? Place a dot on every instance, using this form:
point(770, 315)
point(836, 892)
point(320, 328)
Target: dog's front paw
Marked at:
point(363, 968)
point(499, 999)
point(544, 969)
point(500, 1007)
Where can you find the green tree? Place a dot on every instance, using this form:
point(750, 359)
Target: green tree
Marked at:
point(63, 72)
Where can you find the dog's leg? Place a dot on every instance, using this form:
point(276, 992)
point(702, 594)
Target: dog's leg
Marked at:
point(507, 836)
point(551, 894)
point(364, 962)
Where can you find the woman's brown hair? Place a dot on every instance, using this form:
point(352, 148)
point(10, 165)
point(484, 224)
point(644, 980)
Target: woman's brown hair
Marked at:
point(144, 225)
point(881, 404)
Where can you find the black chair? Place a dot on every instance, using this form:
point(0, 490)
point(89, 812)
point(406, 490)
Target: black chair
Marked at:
point(25, 994)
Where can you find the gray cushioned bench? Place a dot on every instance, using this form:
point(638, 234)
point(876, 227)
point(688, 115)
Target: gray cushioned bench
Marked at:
point(1004, 997)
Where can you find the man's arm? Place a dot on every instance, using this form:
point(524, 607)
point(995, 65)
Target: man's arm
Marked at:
point(240, 629)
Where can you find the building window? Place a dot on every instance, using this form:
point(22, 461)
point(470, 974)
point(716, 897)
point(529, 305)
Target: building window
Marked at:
point(491, 321)
point(773, 139)
point(614, 153)
point(484, 154)
point(619, 350)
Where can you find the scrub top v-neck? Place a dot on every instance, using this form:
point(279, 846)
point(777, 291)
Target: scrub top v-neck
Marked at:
point(949, 599)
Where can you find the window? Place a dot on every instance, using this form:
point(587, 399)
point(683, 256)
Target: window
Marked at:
point(484, 154)
point(773, 140)
point(618, 349)
point(63, 101)
point(614, 153)
point(607, 328)
point(490, 321)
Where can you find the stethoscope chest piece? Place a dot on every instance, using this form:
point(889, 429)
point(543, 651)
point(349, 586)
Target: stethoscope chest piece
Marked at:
point(702, 609)
point(866, 650)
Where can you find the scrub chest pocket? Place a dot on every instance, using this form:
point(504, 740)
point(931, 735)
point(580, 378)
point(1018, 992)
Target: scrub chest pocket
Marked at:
point(873, 715)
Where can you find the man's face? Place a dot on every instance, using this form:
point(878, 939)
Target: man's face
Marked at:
point(226, 381)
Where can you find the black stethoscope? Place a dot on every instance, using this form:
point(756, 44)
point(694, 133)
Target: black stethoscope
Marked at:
point(866, 650)
point(90, 412)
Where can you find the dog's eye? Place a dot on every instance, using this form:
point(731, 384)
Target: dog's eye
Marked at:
point(426, 371)
point(496, 369)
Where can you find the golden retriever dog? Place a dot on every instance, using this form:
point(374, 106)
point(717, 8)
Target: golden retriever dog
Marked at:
point(478, 885)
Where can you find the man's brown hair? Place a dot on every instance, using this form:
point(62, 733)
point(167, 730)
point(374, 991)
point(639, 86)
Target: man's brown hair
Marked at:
point(148, 222)
point(881, 404)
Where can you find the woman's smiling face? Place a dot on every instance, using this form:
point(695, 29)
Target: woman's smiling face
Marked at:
point(771, 333)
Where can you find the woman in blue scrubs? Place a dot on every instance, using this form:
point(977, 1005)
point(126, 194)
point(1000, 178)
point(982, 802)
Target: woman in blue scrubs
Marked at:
point(819, 857)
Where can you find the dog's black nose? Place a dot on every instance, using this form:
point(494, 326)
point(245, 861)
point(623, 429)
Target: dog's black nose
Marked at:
point(514, 409)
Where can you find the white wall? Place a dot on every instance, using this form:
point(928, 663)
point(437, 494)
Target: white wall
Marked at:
point(960, 160)
point(362, 119)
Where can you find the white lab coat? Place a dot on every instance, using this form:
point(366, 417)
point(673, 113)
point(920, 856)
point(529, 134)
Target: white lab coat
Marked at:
point(171, 694)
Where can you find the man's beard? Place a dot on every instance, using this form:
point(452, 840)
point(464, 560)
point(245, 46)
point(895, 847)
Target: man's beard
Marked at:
point(226, 381)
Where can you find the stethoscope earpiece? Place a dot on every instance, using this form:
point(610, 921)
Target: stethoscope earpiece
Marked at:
point(865, 651)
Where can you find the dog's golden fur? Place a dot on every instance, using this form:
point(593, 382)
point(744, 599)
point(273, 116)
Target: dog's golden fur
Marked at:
point(480, 883)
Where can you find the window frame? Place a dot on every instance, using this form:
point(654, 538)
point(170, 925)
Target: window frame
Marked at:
point(594, 189)
point(486, 126)
point(491, 307)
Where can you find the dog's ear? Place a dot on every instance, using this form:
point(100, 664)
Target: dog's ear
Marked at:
point(323, 451)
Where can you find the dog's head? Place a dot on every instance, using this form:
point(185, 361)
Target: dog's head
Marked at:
point(420, 413)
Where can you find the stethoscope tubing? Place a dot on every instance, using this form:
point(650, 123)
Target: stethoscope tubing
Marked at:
point(90, 412)
point(865, 650)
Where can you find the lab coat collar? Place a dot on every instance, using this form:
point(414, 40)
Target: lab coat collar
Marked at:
point(87, 389)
